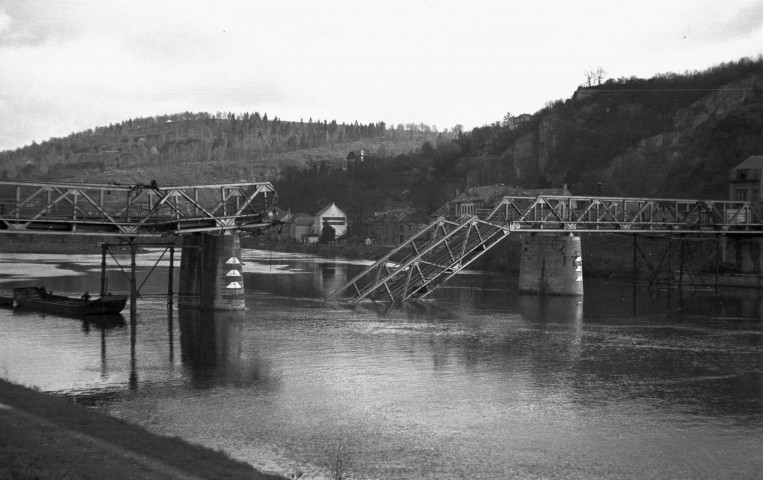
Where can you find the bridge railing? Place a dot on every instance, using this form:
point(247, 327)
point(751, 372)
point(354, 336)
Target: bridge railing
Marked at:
point(617, 213)
point(132, 209)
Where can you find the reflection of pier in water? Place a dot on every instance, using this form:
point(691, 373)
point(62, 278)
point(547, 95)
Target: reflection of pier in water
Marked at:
point(212, 348)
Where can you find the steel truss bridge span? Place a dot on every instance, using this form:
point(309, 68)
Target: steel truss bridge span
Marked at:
point(578, 214)
point(142, 210)
point(434, 255)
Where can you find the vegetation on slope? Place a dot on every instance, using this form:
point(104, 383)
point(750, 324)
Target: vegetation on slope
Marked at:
point(220, 147)
point(671, 135)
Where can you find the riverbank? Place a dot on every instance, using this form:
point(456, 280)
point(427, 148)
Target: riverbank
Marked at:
point(49, 437)
point(50, 244)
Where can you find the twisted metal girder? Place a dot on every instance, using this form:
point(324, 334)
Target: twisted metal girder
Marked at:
point(133, 210)
point(446, 247)
point(434, 255)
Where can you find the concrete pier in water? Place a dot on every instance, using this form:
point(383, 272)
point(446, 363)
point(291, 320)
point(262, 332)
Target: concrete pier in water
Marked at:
point(551, 264)
point(211, 273)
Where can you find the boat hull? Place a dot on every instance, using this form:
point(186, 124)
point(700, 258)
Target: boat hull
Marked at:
point(36, 299)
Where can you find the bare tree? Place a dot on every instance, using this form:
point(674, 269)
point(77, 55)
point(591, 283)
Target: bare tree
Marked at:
point(594, 76)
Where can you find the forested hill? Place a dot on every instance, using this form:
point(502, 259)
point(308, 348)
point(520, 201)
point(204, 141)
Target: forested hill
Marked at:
point(202, 147)
point(674, 135)
point(668, 136)
point(671, 136)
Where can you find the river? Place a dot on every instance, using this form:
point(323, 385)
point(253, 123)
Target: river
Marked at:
point(479, 383)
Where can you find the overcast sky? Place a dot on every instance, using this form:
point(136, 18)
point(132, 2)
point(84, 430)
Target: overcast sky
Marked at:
point(69, 65)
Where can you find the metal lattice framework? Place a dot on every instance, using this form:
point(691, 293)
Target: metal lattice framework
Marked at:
point(445, 247)
point(434, 255)
point(618, 215)
point(133, 210)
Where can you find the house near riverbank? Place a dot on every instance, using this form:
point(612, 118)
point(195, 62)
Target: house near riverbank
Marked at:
point(332, 215)
point(393, 227)
point(480, 200)
point(746, 181)
point(300, 226)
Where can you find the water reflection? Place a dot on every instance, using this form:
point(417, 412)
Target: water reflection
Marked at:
point(214, 352)
point(479, 382)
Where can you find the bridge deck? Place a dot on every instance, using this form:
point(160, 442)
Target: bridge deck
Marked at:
point(446, 246)
point(579, 214)
point(133, 210)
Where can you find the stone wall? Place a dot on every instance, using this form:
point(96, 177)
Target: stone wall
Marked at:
point(551, 264)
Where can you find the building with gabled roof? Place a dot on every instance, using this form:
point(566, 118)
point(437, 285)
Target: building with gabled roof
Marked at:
point(332, 215)
point(301, 225)
point(746, 181)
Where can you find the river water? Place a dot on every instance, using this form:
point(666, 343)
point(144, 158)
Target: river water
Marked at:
point(480, 383)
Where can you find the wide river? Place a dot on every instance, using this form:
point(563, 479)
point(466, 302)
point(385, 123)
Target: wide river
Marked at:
point(480, 383)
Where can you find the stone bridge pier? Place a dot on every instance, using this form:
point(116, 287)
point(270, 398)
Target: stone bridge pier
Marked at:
point(211, 272)
point(551, 264)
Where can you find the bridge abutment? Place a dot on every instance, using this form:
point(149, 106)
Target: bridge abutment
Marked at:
point(551, 265)
point(211, 276)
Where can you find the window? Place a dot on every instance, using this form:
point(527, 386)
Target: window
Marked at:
point(755, 173)
point(742, 174)
point(467, 209)
point(740, 195)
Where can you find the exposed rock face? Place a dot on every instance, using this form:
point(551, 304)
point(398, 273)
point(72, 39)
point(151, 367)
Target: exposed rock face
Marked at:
point(717, 105)
point(696, 146)
point(650, 164)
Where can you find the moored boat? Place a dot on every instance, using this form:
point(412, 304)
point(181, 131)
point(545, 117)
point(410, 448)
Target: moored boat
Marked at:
point(6, 302)
point(38, 299)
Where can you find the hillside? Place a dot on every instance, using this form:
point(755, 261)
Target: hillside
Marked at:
point(200, 148)
point(668, 136)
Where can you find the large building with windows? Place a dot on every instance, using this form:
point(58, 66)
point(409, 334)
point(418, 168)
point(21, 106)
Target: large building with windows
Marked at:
point(745, 180)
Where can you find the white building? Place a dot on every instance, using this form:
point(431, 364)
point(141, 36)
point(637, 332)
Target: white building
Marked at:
point(334, 216)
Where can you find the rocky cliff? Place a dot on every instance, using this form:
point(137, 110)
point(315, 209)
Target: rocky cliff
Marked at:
point(676, 141)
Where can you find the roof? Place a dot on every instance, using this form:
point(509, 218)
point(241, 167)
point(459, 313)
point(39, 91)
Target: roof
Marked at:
point(302, 219)
point(410, 217)
point(282, 214)
point(534, 192)
point(323, 210)
point(484, 194)
point(753, 161)
point(490, 195)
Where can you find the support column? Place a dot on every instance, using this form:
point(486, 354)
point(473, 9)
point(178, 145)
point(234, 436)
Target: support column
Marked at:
point(133, 281)
point(170, 280)
point(551, 265)
point(211, 273)
point(104, 251)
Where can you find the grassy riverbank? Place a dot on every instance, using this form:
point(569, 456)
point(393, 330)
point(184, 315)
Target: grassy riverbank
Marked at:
point(49, 437)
